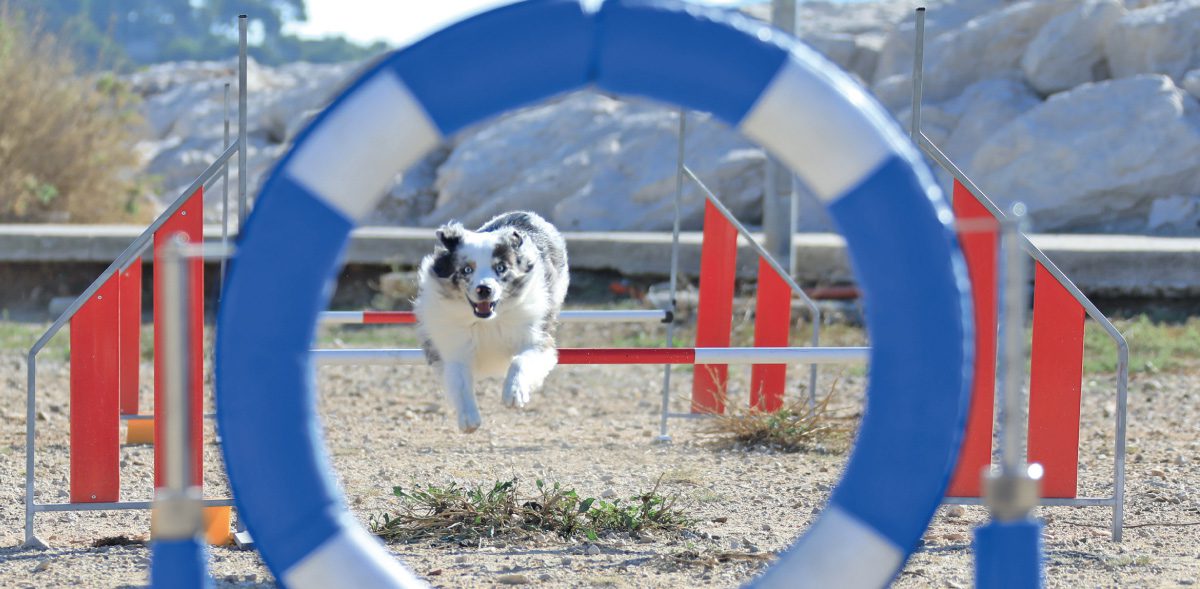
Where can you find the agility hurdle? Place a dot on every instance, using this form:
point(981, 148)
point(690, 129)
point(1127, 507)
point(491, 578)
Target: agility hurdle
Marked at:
point(105, 338)
point(1056, 374)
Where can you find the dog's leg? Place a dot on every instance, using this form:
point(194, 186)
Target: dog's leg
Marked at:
point(460, 389)
point(527, 373)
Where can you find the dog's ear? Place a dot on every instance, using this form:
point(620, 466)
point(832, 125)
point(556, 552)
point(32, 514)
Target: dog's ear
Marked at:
point(515, 238)
point(450, 235)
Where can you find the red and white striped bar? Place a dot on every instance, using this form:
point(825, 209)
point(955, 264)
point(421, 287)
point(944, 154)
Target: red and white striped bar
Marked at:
point(573, 316)
point(849, 355)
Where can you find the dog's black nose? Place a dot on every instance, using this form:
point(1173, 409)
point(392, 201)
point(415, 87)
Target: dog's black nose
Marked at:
point(483, 291)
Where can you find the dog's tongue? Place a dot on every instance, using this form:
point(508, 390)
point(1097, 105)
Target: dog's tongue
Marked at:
point(484, 307)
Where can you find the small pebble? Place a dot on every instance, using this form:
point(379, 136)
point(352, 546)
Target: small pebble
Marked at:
point(608, 493)
point(1158, 473)
point(462, 558)
point(434, 573)
point(544, 577)
point(955, 511)
point(41, 566)
point(513, 579)
point(954, 537)
point(592, 550)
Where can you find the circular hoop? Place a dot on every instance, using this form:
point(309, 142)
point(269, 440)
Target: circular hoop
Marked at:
point(774, 90)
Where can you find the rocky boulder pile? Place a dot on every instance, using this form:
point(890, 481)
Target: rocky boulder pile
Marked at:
point(1085, 110)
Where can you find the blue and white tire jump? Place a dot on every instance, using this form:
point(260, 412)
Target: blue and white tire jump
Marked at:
point(776, 91)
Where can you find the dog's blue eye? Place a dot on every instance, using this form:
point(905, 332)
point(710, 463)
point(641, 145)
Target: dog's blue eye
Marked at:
point(500, 268)
point(467, 270)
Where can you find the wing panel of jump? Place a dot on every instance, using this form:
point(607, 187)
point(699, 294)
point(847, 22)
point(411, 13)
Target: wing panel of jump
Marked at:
point(980, 249)
point(130, 286)
point(714, 312)
point(751, 77)
point(95, 398)
point(189, 220)
point(772, 325)
point(1055, 378)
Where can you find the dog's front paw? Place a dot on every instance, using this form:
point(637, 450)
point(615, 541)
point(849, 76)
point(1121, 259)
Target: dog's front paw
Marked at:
point(516, 393)
point(469, 421)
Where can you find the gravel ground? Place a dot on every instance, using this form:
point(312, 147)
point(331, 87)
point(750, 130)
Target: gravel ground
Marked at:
point(593, 429)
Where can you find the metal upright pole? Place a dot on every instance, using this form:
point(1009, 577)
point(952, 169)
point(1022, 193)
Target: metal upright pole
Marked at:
point(31, 540)
point(663, 435)
point(224, 196)
point(179, 557)
point(242, 67)
point(918, 76)
point(1008, 549)
point(778, 188)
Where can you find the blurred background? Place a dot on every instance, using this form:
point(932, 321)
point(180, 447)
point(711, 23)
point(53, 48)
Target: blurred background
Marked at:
point(1084, 109)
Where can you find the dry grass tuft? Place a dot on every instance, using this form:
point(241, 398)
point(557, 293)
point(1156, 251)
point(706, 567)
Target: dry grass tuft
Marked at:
point(796, 427)
point(66, 140)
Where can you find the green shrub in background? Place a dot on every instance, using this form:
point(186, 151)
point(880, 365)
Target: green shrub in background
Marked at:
point(66, 141)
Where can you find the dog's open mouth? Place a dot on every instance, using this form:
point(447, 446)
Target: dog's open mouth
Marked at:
point(483, 309)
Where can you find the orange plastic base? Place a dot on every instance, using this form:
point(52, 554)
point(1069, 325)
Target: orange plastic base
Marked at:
point(218, 521)
point(139, 431)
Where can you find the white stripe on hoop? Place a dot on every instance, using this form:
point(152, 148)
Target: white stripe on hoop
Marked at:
point(833, 147)
point(354, 154)
point(351, 558)
point(838, 551)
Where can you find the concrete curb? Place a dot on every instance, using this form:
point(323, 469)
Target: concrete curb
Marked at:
point(1107, 265)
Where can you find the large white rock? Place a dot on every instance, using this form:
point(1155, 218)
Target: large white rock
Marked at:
point(1069, 50)
point(589, 162)
point(1095, 157)
point(941, 17)
point(988, 46)
point(184, 103)
point(1175, 215)
point(1163, 39)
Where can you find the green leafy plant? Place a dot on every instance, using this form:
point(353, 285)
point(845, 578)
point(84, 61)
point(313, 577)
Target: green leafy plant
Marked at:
point(467, 515)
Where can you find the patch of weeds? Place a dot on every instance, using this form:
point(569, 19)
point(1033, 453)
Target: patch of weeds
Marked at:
point(1153, 346)
point(466, 515)
point(796, 427)
point(1128, 560)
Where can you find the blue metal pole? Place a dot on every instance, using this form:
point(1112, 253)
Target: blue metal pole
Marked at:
point(179, 564)
point(1008, 554)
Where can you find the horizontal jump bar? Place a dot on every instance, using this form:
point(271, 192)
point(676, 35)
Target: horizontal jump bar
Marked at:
point(627, 356)
point(573, 316)
point(120, 505)
point(1043, 501)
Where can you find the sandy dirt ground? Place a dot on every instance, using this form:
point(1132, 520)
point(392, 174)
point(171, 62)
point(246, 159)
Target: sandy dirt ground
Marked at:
point(594, 428)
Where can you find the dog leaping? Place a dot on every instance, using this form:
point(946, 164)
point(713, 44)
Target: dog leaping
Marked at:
point(487, 306)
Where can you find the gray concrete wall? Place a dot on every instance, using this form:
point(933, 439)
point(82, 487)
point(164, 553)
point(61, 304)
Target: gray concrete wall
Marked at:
point(1107, 265)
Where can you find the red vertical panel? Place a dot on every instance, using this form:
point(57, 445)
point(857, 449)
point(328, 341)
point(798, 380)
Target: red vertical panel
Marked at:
point(1055, 378)
point(980, 250)
point(772, 323)
point(95, 381)
point(130, 286)
point(714, 314)
point(189, 219)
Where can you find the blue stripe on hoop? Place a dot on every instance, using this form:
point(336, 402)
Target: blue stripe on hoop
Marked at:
point(918, 308)
point(705, 59)
point(498, 61)
point(271, 438)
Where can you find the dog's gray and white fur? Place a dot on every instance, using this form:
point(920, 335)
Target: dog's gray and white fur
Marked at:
point(488, 304)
